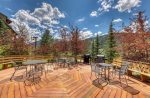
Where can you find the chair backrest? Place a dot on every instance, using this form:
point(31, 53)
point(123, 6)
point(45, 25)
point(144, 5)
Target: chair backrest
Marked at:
point(93, 67)
point(97, 69)
point(61, 60)
point(124, 67)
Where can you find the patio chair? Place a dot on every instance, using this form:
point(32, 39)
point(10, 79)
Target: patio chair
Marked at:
point(61, 62)
point(32, 77)
point(97, 70)
point(40, 67)
point(18, 66)
point(122, 71)
point(70, 63)
point(50, 65)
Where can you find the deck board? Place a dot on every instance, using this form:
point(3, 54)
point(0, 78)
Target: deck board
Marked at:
point(75, 83)
point(4, 93)
point(22, 90)
point(17, 91)
point(118, 93)
point(113, 93)
point(11, 91)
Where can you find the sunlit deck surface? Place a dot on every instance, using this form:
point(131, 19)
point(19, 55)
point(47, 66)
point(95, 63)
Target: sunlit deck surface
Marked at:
point(74, 83)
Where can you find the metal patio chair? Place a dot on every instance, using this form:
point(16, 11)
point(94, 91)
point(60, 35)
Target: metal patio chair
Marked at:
point(18, 66)
point(50, 65)
point(97, 70)
point(70, 63)
point(34, 75)
point(122, 71)
point(61, 62)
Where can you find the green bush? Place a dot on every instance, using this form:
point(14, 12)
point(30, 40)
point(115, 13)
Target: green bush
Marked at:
point(51, 60)
point(1, 66)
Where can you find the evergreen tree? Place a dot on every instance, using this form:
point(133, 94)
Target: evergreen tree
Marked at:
point(3, 27)
point(97, 45)
point(93, 48)
point(110, 51)
point(46, 42)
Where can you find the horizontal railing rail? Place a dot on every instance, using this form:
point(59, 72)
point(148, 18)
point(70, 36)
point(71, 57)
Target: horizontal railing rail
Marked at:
point(7, 60)
point(142, 68)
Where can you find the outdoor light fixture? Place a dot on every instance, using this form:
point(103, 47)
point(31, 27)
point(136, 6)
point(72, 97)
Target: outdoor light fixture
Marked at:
point(35, 37)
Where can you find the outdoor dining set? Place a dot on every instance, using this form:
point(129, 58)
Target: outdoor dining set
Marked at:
point(108, 71)
point(35, 69)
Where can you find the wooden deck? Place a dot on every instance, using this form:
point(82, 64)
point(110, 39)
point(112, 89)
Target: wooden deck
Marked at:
point(75, 83)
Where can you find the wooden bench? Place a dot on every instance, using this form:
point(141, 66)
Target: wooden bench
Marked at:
point(5, 61)
point(143, 76)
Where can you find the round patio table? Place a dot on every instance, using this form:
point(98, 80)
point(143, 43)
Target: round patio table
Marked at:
point(106, 67)
point(34, 66)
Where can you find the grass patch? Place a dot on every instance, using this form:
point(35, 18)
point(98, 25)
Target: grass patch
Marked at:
point(136, 75)
point(9, 66)
point(1, 66)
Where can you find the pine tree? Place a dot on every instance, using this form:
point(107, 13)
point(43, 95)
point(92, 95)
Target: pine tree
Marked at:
point(97, 45)
point(111, 52)
point(46, 42)
point(93, 48)
point(3, 27)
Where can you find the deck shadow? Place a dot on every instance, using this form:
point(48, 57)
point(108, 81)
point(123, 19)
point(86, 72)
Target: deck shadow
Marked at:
point(5, 80)
point(125, 87)
point(101, 84)
point(131, 90)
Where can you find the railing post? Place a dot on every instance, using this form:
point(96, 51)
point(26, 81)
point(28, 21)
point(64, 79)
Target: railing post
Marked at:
point(129, 72)
point(5, 66)
point(144, 78)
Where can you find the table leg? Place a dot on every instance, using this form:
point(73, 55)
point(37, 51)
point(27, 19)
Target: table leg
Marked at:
point(105, 73)
point(108, 74)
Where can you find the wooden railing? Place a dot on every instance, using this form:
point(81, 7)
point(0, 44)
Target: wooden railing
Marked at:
point(142, 68)
point(7, 60)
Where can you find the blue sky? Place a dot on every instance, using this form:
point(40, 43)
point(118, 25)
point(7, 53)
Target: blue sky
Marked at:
point(91, 16)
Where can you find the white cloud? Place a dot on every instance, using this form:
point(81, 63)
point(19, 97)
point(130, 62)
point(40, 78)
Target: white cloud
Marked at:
point(105, 5)
point(47, 14)
point(65, 26)
point(96, 25)
point(135, 14)
point(45, 17)
point(94, 14)
point(135, 25)
point(99, 33)
point(81, 19)
point(123, 5)
point(117, 20)
point(86, 34)
point(9, 9)
point(26, 17)
point(84, 28)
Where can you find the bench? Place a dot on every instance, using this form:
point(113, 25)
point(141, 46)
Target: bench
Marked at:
point(5, 61)
point(144, 76)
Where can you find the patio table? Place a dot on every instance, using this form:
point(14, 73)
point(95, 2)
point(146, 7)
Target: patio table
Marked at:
point(33, 66)
point(34, 63)
point(62, 62)
point(106, 67)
